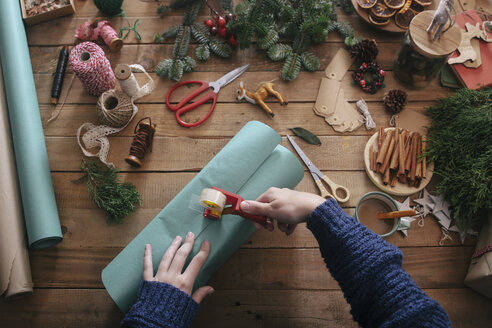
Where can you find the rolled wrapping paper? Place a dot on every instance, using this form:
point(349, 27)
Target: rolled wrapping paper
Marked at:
point(36, 187)
point(91, 66)
point(248, 165)
point(15, 272)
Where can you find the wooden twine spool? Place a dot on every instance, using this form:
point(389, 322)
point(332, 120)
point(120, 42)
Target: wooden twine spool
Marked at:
point(114, 108)
point(142, 142)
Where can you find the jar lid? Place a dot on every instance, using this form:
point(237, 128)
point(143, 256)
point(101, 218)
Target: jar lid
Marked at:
point(422, 41)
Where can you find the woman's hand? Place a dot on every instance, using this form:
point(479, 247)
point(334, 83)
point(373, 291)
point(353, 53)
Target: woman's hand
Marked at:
point(172, 264)
point(287, 207)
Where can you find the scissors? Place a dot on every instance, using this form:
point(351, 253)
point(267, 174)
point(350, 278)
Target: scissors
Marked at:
point(340, 193)
point(185, 105)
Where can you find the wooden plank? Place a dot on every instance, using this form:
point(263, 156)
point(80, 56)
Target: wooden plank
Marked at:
point(45, 35)
point(157, 189)
point(259, 269)
point(288, 308)
point(226, 120)
point(335, 153)
point(87, 228)
point(303, 89)
point(44, 59)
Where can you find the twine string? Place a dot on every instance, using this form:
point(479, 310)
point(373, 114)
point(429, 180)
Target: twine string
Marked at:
point(90, 65)
point(364, 109)
point(142, 142)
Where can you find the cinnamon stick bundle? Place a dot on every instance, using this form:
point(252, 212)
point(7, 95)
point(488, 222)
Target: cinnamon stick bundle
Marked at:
point(387, 155)
point(396, 151)
point(401, 157)
point(384, 148)
point(413, 167)
point(408, 157)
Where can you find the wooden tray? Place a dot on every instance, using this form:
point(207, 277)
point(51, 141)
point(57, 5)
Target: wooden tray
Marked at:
point(391, 27)
point(400, 189)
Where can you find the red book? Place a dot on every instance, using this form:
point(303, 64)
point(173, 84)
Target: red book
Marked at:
point(474, 78)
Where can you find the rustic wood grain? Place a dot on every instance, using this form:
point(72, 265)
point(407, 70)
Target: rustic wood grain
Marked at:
point(81, 308)
point(303, 89)
point(252, 269)
point(272, 280)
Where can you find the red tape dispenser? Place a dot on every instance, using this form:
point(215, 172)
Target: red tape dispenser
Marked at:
point(219, 202)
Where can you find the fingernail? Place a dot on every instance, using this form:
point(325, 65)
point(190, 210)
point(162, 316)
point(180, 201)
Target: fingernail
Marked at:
point(177, 239)
point(190, 235)
point(211, 290)
point(147, 246)
point(245, 206)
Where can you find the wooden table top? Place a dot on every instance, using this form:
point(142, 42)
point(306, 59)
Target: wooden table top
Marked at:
point(272, 280)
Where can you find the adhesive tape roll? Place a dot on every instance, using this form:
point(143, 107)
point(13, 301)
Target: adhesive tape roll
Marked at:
point(213, 199)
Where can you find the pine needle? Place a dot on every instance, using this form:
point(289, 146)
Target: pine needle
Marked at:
point(118, 199)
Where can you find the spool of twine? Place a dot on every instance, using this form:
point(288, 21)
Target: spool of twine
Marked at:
point(114, 108)
point(90, 65)
point(109, 7)
point(109, 35)
point(128, 82)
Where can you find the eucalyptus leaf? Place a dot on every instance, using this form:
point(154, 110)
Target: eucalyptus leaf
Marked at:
point(306, 135)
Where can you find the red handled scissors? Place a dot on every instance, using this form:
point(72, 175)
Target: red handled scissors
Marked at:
point(185, 105)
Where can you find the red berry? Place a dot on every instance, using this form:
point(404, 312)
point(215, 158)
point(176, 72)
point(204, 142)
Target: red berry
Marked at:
point(213, 30)
point(209, 23)
point(229, 17)
point(232, 41)
point(364, 65)
point(222, 31)
point(382, 73)
point(362, 83)
point(221, 22)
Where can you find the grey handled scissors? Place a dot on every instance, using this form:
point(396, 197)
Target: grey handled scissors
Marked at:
point(340, 193)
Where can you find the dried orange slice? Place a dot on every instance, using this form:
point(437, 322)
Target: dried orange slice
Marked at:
point(418, 8)
point(394, 4)
point(378, 21)
point(366, 4)
point(423, 3)
point(403, 20)
point(380, 10)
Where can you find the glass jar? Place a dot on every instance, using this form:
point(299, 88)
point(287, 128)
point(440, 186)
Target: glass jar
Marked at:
point(420, 58)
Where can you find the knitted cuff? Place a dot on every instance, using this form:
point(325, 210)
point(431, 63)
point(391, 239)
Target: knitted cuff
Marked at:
point(330, 215)
point(161, 305)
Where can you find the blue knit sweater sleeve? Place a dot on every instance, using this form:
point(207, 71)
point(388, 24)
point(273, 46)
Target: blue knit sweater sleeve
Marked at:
point(160, 305)
point(368, 270)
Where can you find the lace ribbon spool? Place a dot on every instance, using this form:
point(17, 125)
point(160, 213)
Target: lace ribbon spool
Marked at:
point(128, 82)
point(96, 136)
point(114, 108)
point(91, 66)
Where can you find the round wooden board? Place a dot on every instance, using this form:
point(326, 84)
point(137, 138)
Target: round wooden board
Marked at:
point(400, 189)
point(391, 27)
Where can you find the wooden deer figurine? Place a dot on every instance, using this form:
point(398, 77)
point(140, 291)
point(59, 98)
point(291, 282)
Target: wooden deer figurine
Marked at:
point(465, 49)
point(258, 97)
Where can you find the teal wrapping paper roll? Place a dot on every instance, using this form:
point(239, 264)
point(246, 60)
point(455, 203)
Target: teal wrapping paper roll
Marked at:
point(38, 197)
point(248, 165)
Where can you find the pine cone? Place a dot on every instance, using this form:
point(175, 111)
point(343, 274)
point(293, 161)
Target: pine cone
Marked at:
point(394, 101)
point(364, 51)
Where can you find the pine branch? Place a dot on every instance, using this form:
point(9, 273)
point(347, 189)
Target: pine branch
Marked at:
point(117, 199)
point(310, 61)
point(200, 33)
point(279, 51)
point(291, 67)
point(182, 42)
point(268, 40)
point(202, 52)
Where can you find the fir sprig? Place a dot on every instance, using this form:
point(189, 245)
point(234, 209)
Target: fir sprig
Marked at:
point(460, 142)
point(303, 22)
point(181, 63)
point(117, 199)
